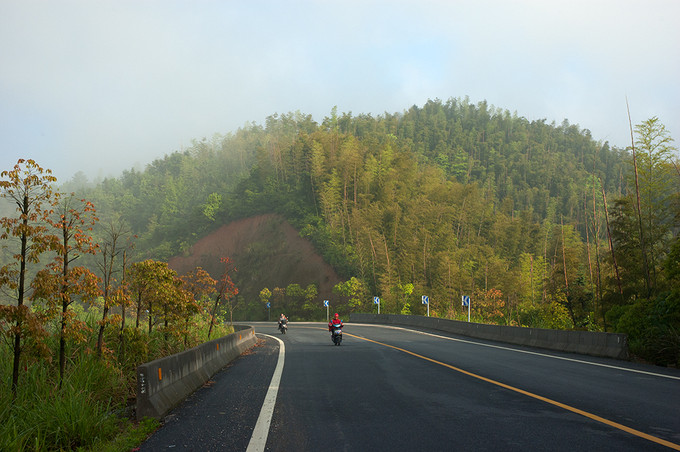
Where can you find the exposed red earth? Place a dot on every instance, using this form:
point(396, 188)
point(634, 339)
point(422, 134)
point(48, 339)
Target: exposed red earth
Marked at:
point(267, 252)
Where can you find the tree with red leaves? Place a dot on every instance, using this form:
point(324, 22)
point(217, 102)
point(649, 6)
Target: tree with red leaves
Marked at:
point(199, 284)
point(29, 187)
point(60, 284)
point(225, 290)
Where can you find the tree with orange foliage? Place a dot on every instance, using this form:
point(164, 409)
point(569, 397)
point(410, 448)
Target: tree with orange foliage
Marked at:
point(29, 187)
point(200, 285)
point(225, 289)
point(58, 291)
point(490, 305)
point(59, 284)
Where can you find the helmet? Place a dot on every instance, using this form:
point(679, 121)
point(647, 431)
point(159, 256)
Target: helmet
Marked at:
point(337, 315)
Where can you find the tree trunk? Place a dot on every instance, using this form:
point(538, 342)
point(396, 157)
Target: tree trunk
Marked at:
point(150, 317)
point(64, 308)
point(165, 323)
point(62, 345)
point(20, 302)
point(564, 261)
point(139, 308)
point(212, 316)
point(121, 333)
point(611, 245)
point(17, 357)
point(590, 264)
point(100, 336)
point(598, 282)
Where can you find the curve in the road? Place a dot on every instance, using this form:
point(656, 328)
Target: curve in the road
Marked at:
point(530, 394)
point(512, 349)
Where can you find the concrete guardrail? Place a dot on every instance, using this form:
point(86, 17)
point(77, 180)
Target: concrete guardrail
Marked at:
point(609, 345)
point(165, 382)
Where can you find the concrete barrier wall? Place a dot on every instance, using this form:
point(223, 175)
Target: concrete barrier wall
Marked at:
point(610, 345)
point(163, 383)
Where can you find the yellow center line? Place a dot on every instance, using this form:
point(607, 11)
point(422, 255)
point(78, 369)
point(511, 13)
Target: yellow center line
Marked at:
point(594, 417)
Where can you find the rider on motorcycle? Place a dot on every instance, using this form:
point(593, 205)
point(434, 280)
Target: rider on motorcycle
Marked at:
point(336, 322)
point(282, 320)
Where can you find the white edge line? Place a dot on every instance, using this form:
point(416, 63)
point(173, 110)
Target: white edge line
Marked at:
point(525, 351)
point(258, 440)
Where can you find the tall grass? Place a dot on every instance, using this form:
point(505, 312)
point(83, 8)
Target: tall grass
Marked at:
point(47, 416)
point(91, 409)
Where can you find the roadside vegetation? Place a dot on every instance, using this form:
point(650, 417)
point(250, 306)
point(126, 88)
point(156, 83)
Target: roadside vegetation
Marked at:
point(92, 407)
point(73, 335)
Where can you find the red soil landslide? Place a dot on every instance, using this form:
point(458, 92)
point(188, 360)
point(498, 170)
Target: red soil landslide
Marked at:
point(268, 249)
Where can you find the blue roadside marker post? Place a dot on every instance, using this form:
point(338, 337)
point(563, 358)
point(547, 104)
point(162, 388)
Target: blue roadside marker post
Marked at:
point(426, 300)
point(466, 302)
point(269, 311)
point(325, 303)
point(376, 300)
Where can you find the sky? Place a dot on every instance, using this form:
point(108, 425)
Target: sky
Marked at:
point(106, 86)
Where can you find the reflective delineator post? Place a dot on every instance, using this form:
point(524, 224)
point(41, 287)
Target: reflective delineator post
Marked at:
point(466, 302)
point(325, 303)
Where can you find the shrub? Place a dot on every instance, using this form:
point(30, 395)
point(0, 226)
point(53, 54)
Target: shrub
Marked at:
point(653, 328)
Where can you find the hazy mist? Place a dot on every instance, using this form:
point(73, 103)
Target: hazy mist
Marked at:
point(105, 86)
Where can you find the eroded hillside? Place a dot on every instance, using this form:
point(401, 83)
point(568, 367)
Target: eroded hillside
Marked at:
point(267, 252)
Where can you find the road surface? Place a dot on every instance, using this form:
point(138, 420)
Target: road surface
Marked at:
point(397, 389)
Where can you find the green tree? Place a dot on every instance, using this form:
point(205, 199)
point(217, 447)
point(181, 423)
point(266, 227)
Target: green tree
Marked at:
point(154, 284)
point(532, 277)
point(658, 186)
point(265, 296)
point(642, 237)
point(310, 294)
point(566, 279)
point(355, 292)
point(404, 292)
point(212, 205)
point(279, 299)
point(295, 295)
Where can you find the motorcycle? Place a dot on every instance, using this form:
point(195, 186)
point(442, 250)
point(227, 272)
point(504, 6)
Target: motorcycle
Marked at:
point(283, 326)
point(336, 335)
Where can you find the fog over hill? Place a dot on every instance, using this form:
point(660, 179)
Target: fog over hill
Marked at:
point(101, 87)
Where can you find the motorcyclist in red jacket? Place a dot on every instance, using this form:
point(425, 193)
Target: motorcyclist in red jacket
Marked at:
point(335, 322)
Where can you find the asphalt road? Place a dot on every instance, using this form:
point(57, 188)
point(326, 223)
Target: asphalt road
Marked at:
point(394, 389)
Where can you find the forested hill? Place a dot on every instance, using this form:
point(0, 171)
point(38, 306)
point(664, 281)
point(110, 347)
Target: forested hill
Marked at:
point(517, 166)
point(445, 199)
